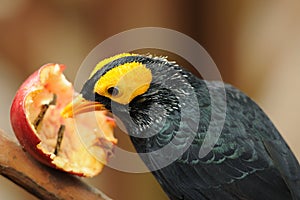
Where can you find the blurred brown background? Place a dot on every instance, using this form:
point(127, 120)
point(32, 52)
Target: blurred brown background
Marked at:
point(255, 44)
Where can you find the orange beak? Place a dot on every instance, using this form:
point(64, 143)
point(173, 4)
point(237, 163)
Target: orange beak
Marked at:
point(81, 105)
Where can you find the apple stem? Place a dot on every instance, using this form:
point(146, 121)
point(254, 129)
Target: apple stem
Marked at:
point(60, 134)
point(42, 113)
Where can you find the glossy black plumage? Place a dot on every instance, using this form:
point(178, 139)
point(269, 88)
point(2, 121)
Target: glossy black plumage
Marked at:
point(250, 160)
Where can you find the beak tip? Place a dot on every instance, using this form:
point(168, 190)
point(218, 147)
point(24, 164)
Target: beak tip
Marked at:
point(66, 114)
point(67, 111)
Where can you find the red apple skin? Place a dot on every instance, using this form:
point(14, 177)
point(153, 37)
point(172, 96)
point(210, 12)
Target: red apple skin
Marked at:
point(21, 126)
point(28, 137)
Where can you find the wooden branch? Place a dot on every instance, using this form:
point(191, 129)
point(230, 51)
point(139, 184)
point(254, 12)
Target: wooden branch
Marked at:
point(39, 180)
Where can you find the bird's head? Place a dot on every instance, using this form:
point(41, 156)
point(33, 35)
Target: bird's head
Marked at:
point(132, 84)
point(118, 79)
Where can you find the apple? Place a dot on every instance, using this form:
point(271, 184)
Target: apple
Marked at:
point(65, 144)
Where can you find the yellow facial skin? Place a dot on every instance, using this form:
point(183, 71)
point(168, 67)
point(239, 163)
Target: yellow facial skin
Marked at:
point(130, 79)
point(108, 60)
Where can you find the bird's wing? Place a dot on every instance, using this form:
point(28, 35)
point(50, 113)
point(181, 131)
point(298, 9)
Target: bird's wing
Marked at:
point(250, 159)
point(286, 163)
point(262, 130)
point(221, 177)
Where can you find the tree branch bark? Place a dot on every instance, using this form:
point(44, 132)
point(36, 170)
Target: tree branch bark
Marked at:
point(41, 181)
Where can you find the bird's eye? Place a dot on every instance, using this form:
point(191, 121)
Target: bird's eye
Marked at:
point(114, 91)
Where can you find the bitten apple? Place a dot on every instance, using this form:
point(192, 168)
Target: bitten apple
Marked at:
point(66, 144)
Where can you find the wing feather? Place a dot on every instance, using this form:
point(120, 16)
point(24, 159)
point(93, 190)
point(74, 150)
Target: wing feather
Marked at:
point(250, 155)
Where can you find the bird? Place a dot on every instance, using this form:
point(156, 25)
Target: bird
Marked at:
point(163, 104)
